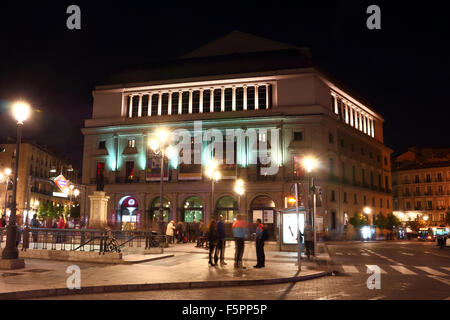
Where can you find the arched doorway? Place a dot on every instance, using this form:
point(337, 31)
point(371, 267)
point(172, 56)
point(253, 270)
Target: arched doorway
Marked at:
point(263, 207)
point(228, 208)
point(154, 210)
point(192, 209)
point(128, 213)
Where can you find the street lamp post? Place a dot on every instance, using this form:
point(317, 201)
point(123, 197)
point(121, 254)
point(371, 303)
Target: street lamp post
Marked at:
point(158, 146)
point(310, 164)
point(21, 111)
point(240, 190)
point(214, 174)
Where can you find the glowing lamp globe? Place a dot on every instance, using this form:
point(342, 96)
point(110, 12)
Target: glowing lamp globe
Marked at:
point(21, 111)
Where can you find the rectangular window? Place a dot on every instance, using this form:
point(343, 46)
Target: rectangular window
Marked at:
point(251, 98)
point(135, 111)
point(381, 203)
point(130, 170)
point(155, 101)
point(354, 173)
point(333, 220)
point(386, 182)
point(185, 102)
point(175, 100)
point(298, 136)
point(102, 145)
point(387, 203)
point(239, 99)
point(345, 197)
point(330, 138)
point(228, 99)
point(131, 143)
point(165, 104)
point(206, 101)
point(439, 177)
point(408, 205)
point(262, 98)
point(373, 201)
point(430, 204)
point(355, 199)
point(217, 100)
point(332, 103)
point(145, 100)
point(365, 200)
point(196, 102)
point(333, 195)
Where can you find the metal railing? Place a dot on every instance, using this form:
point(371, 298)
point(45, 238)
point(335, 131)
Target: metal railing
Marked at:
point(84, 240)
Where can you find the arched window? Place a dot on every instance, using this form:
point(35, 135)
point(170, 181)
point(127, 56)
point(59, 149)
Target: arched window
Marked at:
point(193, 209)
point(154, 210)
point(227, 207)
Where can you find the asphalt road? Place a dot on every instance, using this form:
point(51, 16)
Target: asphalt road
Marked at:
point(409, 270)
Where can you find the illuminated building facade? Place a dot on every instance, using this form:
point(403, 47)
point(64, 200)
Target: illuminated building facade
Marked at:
point(421, 184)
point(238, 82)
point(37, 165)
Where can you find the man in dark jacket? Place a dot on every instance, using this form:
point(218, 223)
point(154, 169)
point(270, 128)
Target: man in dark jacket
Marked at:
point(35, 224)
point(260, 238)
point(220, 248)
point(240, 230)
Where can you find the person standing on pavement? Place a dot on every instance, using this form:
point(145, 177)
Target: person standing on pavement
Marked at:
point(35, 224)
point(212, 240)
point(240, 230)
point(169, 231)
point(193, 231)
point(220, 248)
point(261, 235)
point(200, 233)
point(309, 240)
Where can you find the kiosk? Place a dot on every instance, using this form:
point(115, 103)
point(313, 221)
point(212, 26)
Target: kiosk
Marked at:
point(288, 228)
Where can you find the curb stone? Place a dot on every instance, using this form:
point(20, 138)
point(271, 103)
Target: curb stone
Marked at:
point(46, 293)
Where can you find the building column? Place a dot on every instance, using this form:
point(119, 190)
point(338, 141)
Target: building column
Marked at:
point(140, 106)
point(233, 104)
point(159, 103)
point(346, 114)
point(130, 112)
point(351, 117)
point(211, 100)
point(190, 101)
point(256, 98)
point(267, 96)
point(180, 100)
point(150, 98)
point(201, 101)
point(373, 128)
point(222, 99)
point(335, 105)
point(169, 109)
point(245, 97)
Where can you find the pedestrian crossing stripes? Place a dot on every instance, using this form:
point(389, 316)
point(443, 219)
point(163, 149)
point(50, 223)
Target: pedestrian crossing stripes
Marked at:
point(431, 271)
point(403, 270)
point(395, 269)
point(350, 269)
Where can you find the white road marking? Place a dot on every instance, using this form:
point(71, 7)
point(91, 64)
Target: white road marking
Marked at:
point(431, 271)
point(407, 254)
point(350, 269)
point(403, 270)
point(446, 281)
point(446, 268)
point(339, 253)
point(378, 298)
point(365, 254)
point(335, 296)
point(381, 270)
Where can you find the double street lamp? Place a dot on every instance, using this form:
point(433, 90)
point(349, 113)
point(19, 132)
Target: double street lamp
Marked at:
point(160, 146)
point(21, 112)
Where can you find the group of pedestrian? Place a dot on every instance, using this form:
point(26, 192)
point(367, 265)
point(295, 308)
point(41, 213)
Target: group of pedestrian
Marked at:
point(216, 241)
point(240, 231)
point(184, 232)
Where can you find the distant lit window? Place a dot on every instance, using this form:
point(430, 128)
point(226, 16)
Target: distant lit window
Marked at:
point(102, 145)
point(298, 136)
point(131, 143)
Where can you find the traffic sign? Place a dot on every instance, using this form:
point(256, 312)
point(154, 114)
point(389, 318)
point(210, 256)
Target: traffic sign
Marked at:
point(61, 182)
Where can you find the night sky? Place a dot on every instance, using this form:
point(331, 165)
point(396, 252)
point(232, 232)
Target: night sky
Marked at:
point(402, 69)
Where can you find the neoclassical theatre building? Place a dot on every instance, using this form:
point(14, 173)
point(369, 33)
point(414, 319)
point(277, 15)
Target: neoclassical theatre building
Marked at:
point(244, 82)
